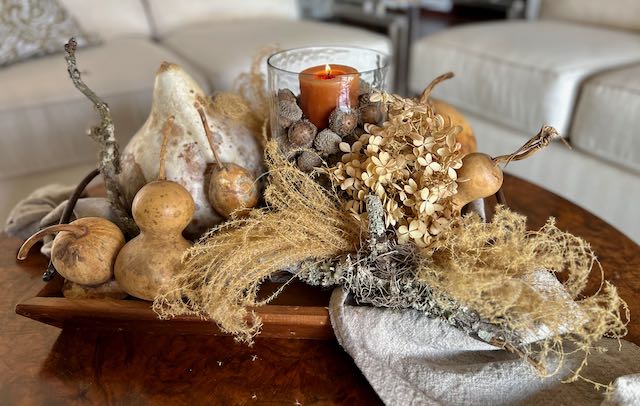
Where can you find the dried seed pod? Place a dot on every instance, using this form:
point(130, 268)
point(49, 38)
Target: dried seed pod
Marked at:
point(369, 113)
point(301, 134)
point(327, 142)
point(286, 94)
point(342, 122)
point(288, 113)
point(309, 160)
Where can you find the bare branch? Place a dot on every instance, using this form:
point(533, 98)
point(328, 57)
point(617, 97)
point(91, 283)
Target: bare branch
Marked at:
point(109, 164)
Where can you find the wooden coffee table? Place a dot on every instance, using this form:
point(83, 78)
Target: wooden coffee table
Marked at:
point(40, 364)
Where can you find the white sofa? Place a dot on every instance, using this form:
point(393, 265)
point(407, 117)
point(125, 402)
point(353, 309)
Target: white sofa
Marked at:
point(575, 64)
point(43, 118)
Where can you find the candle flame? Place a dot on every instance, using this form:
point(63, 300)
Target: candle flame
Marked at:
point(327, 69)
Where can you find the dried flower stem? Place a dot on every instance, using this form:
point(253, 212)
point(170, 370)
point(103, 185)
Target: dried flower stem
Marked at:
point(103, 134)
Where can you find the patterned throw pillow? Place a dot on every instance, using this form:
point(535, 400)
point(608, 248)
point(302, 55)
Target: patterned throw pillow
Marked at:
point(36, 27)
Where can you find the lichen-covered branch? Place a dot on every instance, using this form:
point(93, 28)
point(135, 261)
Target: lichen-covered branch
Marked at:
point(109, 164)
point(384, 275)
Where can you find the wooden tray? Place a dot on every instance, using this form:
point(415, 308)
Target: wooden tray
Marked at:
point(299, 312)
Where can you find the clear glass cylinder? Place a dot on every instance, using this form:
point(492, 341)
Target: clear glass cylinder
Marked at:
point(311, 84)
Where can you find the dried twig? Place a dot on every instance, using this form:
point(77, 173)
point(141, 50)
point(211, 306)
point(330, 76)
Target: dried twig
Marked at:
point(103, 134)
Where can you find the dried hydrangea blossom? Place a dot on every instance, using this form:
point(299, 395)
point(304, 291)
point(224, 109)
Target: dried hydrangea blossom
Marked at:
point(410, 162)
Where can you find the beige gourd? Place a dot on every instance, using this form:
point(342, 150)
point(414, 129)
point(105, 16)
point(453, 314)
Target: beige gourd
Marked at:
point(162, 209)
point(83, 251)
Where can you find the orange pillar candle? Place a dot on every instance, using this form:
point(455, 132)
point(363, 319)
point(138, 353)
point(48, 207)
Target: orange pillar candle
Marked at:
point(323, 88)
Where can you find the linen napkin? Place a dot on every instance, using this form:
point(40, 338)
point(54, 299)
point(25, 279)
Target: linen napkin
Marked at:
point(411, 359)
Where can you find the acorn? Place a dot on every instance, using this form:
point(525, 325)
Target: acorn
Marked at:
point(288, 113)
point(287, 95)
point(309, 160)
point(327, 142)
point(301, 134)
point(342, 122)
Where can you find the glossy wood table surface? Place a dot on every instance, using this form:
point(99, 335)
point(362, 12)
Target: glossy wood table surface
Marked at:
point(40, 364)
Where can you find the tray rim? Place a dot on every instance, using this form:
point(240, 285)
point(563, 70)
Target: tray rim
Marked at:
point(278, 321)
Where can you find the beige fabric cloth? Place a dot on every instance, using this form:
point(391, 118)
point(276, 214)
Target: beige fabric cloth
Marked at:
point(518, 73)
point(410, 359)
point(608, 117)
point(24, 219)
point(44, 207)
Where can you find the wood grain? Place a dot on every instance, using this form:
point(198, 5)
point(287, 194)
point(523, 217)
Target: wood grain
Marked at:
point(41, 364)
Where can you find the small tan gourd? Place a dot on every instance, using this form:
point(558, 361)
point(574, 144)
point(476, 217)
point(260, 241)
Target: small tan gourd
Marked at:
point(481, 176)
point(162, 209)
point(84, 251)
point(232, 188)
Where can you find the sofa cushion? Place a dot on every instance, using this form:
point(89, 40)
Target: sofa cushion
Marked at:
point(224, 50)
point(168, 15)
point(621, 14)
point(608, 117)
point(36, 28)
point(112, 18)
point(44, 118)
point(521, 74)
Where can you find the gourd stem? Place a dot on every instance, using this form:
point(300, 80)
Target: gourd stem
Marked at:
point(427, 92)
point(76, 230)
point(535, 144)
point(207, 131)
point(166, 131)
